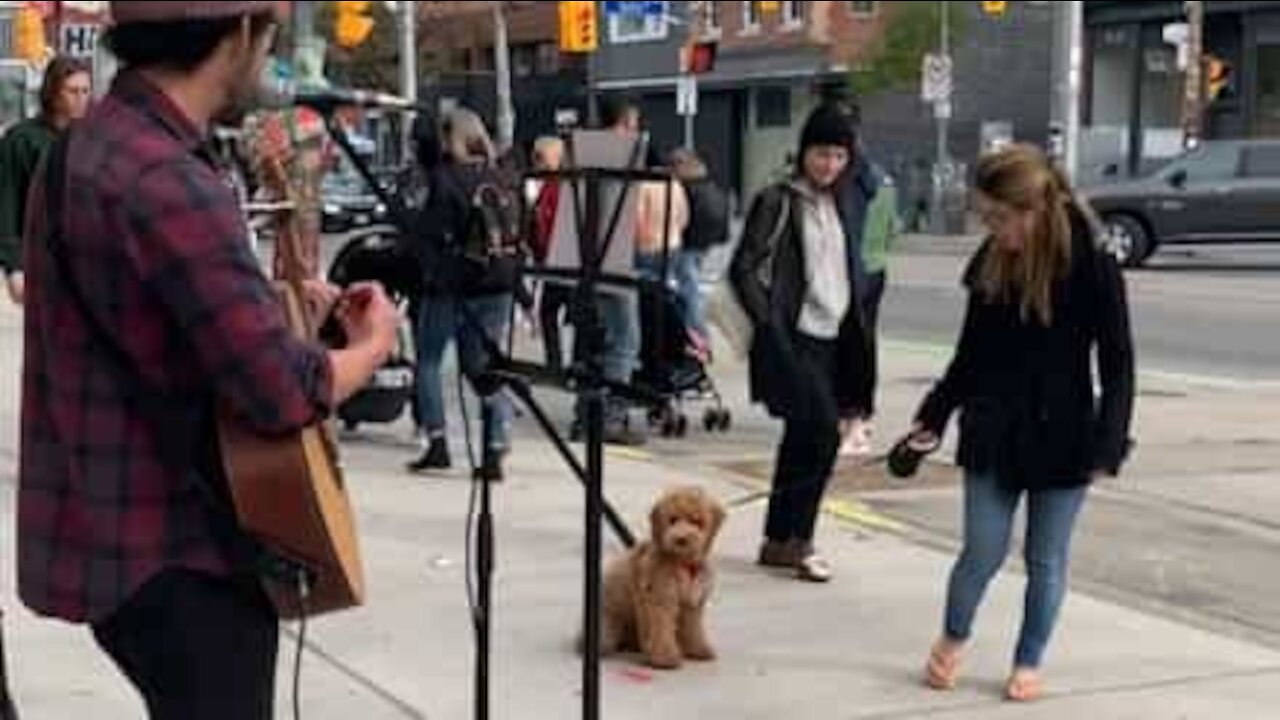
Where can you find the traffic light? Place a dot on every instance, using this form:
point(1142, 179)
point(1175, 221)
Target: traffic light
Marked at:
point(352, 25)
point(579, 27)
point(1217, 77)
point(699, 58)
point(994, 9)
point(29, 42)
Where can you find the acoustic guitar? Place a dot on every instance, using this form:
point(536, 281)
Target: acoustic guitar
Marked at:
point(288, 492)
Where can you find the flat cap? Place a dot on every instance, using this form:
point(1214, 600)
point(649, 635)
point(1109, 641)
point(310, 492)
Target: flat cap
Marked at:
point(126, 13)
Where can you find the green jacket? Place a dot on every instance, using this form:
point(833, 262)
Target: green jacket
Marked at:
point(882, 228)
point(21, 150)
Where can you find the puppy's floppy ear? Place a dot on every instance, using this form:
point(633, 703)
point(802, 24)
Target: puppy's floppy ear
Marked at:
point(657, 522)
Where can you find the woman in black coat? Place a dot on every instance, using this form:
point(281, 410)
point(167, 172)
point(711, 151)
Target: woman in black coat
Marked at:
point(794, 274)
point(1043, 299)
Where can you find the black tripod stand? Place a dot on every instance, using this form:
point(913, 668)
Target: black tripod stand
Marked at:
point(586, 379)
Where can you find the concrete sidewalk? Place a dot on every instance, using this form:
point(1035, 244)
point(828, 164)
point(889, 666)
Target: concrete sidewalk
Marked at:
point(849, 650)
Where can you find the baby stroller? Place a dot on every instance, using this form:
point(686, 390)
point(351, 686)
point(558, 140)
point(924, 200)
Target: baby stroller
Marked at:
point(673, 368)
point(375, 255)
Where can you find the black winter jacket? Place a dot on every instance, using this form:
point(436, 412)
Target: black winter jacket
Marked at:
point(768, 274)
point(1029, 412)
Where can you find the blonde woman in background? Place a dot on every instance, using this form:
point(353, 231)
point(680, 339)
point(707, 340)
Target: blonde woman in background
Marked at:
point(708, 228)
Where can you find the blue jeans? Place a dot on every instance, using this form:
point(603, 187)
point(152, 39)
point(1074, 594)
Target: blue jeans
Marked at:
point(688, 272)
point(988, 522)
point(620, 314)
point(440, 321)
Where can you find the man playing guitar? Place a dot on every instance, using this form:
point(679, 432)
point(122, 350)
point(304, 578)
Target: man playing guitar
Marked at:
point(146, 310)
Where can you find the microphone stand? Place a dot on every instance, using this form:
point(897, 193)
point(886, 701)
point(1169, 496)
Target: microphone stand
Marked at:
point(586, 379)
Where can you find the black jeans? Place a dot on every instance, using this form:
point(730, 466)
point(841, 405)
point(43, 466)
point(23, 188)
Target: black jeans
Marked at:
point(556, 300)
point(197, 647)
point(871, 316)
point(810, 442)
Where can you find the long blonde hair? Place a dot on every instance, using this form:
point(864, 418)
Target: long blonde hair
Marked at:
point(1022, 178)
point(466, 139)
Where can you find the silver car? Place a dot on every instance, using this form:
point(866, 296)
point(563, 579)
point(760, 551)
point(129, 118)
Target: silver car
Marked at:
point(1221, 192)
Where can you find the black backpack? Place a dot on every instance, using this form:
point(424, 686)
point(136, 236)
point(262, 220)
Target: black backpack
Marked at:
point(483, 250)
point(708, 216)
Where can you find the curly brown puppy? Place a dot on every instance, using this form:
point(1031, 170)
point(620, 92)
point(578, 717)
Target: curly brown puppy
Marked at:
point(654, 596)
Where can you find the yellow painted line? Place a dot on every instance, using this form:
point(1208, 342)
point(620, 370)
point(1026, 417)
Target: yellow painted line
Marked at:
point(848, 511)
point(625, 453)
point(852, 511)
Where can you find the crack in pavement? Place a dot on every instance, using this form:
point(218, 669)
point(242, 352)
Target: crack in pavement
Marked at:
point(357, 678)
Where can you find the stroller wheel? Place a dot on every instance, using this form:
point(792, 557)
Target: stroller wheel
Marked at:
point(726, 421)
point(711, 420)
point(350, 425)
point(682, 426)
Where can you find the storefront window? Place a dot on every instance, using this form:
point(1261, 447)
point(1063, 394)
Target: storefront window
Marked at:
point(1267, 119)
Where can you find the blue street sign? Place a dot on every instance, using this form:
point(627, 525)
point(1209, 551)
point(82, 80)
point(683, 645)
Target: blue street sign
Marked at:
point(648, 8)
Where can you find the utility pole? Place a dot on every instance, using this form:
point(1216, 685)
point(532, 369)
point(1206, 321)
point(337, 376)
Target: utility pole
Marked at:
point(1070, 83)
point(1193, 101)
point(942, 113)
point(304, 35)
point(502, 68)
point(408, 69)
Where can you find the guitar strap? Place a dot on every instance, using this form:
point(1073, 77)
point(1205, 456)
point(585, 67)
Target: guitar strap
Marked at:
point(244, 553)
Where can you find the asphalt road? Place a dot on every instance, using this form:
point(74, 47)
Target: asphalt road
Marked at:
point(1207, 312)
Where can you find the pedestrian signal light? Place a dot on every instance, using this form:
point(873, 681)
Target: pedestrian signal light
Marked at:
point(995, 9)
point(579, 27)
point(1217, 76)
point(28, 35)
point(699, 59)
point(352, 25)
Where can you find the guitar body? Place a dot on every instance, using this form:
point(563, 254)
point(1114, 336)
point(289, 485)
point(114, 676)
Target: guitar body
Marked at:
point(288, 491)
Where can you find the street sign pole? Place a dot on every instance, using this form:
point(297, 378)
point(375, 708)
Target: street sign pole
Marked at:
point(690, 122)
point(1075, 85)
point(408, 71)
point(943, 109)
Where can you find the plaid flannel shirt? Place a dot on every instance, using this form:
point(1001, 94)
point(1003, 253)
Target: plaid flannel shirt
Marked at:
point(108, 493)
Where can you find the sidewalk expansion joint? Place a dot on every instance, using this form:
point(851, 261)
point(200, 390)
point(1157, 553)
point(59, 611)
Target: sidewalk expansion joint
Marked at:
point(358, 679)
point(1061, 697)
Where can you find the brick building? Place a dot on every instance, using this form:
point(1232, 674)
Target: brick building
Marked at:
point(774, 66)
point(456, 42)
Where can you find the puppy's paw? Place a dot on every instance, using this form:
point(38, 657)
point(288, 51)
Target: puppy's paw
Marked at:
point(665, 660)
point(700, 653)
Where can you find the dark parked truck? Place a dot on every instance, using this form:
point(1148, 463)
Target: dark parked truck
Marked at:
point(1222, 192)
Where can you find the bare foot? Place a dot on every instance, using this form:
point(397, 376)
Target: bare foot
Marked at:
point(1025, 685)
point(944, 665)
